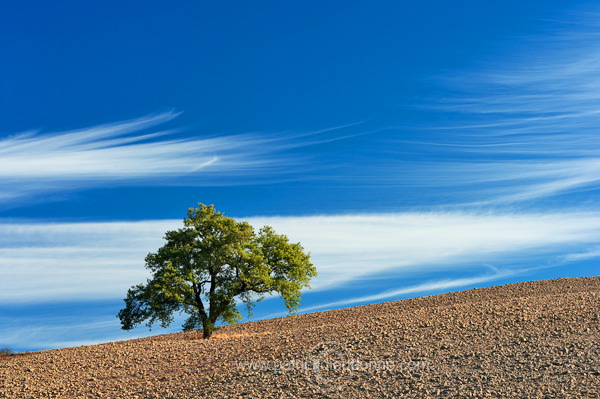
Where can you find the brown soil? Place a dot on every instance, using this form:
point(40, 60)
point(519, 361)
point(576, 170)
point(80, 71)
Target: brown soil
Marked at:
point(531, 340)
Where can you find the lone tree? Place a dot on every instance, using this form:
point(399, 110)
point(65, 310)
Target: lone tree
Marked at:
point(210, 262)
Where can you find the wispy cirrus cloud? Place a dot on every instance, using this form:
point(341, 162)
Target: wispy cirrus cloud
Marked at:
point(139, 151)
point(520, 125)
point(354, 247)
point(534, 114)
point(71, 267)
point(74, 261)
point(494, 181)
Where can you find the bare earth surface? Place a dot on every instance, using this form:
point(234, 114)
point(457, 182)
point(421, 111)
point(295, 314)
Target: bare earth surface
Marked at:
point(532, 340)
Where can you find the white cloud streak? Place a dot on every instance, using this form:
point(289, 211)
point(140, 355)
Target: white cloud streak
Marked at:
point(79, 261)
point(91, 261)
point(137, 151)
point(95, 153)
point(349, 248)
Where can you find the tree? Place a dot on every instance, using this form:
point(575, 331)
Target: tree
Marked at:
point(208, 264)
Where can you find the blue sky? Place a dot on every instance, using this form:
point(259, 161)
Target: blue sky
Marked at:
point(414, 148)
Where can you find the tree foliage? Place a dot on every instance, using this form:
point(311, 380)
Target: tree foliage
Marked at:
point(210, 263)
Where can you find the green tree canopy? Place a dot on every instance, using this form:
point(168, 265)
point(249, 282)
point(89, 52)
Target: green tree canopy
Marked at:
point(207, 264)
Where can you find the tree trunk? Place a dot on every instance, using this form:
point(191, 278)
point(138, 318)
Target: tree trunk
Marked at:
point(208, 327)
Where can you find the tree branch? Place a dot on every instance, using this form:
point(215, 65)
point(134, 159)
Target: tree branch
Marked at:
point(198, 299)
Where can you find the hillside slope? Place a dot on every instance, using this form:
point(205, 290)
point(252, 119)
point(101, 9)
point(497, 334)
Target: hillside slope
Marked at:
point(534, 339)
